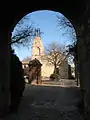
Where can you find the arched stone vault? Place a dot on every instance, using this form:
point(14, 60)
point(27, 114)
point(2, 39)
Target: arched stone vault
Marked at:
point(15, 11)
point(9, 17)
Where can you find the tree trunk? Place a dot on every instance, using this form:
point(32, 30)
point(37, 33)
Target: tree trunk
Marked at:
point(55, 67)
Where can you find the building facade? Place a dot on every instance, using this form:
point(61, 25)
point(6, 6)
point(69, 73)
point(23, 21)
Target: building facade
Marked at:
point(47, 69)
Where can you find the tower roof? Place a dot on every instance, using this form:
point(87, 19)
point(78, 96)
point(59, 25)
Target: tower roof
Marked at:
point(26, 60)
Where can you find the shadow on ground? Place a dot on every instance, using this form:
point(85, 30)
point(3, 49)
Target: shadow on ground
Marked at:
point(50, 103)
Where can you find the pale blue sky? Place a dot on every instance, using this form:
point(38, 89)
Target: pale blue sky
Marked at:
point(48, 24)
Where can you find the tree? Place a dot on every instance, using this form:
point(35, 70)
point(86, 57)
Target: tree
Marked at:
point(23, 33)
point(22, 37)
point(56, 54)
point(64, 23)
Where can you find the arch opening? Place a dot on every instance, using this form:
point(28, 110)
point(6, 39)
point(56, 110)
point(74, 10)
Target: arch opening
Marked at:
point(37, 36)
point(32, 28)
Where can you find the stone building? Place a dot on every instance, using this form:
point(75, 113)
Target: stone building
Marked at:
point(47, 69)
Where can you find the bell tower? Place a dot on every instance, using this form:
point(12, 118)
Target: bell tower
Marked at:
point(37, 46)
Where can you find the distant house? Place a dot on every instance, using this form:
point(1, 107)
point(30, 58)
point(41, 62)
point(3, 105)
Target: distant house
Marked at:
point(25, 62)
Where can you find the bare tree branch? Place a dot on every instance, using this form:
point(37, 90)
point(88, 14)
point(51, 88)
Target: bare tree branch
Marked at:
point(23, 36)
point(64, 24)
point(55, 54)
point(23, 33)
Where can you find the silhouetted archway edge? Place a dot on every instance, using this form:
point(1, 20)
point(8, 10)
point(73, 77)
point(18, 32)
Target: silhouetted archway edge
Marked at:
point(64, 11)
point(71, 12)
point(69, 17)
point(61, 11)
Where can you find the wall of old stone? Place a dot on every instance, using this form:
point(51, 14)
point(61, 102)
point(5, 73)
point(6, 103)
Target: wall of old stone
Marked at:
point(4, 74)
point(63, 70)
point(84, 60)
point(46, 70)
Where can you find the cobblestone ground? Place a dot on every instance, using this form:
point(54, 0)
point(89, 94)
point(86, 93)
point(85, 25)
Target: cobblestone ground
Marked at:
point(49, 103)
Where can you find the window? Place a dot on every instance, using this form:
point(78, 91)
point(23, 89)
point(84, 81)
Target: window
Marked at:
point(38, 51)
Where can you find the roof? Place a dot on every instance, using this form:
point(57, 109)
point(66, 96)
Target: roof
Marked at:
point(26, 60)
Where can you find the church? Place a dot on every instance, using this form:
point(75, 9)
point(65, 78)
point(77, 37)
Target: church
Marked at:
point(47, 69)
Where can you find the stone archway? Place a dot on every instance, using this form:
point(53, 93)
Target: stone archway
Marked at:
point(74, 11)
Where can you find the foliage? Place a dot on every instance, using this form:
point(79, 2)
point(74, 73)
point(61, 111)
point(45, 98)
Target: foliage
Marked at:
point(53, 76)
point(34, 63)
point(73, 51)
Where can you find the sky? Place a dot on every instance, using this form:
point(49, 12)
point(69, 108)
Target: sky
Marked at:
point(48, 24)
